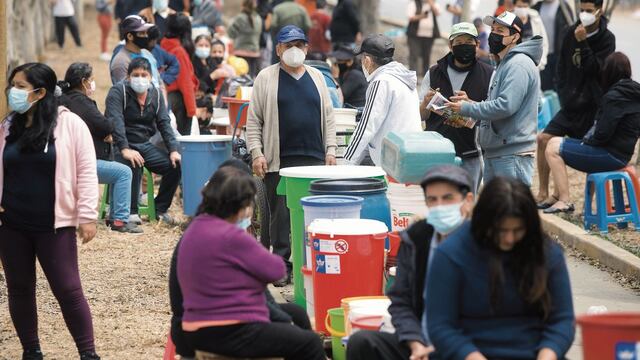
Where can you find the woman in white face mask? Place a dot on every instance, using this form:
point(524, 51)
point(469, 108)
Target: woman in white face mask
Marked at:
point(533, 26)
point(209, 65)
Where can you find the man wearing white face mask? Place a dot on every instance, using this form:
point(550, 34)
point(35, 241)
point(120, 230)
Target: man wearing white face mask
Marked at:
point(290, 123)
point(392, 101)
point(447, 191)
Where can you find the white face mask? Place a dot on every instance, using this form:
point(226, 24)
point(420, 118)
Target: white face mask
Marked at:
point(140, 84)
point(203, 52)
point(521, 12)
point(293, 57)
point(587, 19)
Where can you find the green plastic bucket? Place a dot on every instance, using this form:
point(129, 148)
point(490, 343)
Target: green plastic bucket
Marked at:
point(334, 323)
point(294, 183)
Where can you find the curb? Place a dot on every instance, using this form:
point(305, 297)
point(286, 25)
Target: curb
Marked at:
point(592, 246)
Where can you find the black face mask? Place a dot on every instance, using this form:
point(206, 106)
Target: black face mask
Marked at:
point(495, 43)
point(465, 53)
point(216, 60)
point(141, 42)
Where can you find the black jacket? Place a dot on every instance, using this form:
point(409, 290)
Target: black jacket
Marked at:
point(354, 87)
point(561, 25)
point(136, 125)
point(345, 23)
point(579, 65)
point(617, 125)
point(406, 294)
point(476, 85)
point(99, 125)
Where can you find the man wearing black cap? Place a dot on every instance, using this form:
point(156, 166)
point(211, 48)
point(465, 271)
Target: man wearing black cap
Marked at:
point(351, 78)
point(392, 101)
point(509, 116)
point(134, 30)
point(447, 191)
point(290, 123)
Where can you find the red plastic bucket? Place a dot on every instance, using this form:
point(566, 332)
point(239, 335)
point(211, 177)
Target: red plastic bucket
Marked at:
point(394, 246)
point(234, 107)
point(372, 323)
point(347, 259)
point(605, 335)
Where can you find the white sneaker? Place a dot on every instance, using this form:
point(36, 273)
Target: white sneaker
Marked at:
point(135, 219)
point(142, 200)
point(105, 57)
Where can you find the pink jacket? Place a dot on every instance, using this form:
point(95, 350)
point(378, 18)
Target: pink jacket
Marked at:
point(76, 181)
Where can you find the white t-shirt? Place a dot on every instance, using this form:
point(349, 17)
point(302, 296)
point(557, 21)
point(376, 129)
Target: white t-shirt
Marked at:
point(63, 8)
point(425, 26)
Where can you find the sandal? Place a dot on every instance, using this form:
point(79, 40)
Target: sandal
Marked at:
point(554, 210)
point(545, 204)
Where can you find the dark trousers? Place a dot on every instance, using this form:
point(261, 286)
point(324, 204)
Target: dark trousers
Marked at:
point(280, 222)
point(157, 161)
point(420, 54)
point(374, 345)
point(254, 63)
point(70, 22)
point(251, 340)
point(57, 254)
point(548, 75)
point(176, 102)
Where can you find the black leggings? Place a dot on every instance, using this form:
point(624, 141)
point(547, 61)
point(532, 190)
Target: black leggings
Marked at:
point(70, 22)
point(255, 340)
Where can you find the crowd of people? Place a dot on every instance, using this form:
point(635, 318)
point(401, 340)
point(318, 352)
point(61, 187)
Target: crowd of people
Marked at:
point(475, 280)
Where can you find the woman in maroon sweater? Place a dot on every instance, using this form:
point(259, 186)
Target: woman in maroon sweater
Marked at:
point(223, 273)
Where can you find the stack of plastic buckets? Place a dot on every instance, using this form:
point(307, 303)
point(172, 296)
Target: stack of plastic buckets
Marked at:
point(323, 207)
point(407, 204)
point(345, 126)
point(201, 157)
point(295, 185)
point(348, 260)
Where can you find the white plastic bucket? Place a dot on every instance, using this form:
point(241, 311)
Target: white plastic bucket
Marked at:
point(367, 308)
point(345, 126)
point(407, 205)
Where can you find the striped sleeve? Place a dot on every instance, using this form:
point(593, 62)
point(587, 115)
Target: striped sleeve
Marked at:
point(375, 111)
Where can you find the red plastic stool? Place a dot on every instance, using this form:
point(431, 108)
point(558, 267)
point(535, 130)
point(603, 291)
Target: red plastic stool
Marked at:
point(631, 170)
point(169, 349)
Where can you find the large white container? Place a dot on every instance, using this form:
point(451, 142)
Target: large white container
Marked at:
point(345, 126)
point(407, 205)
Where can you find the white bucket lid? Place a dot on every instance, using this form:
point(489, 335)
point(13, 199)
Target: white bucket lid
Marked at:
point(347, 227)
point(205, 138)
point(332, 172)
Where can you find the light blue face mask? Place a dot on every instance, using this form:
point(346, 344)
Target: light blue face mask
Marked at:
point(203, 52)
point(139, 84)
point(160, 5)
point(445, 218)
point(197, 2)
point(244, 223)
point(19, 100)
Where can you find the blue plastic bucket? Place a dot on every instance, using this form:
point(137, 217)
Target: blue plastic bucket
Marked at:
point(201, 157)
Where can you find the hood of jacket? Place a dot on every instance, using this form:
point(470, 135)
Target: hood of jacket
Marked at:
point(626, 90)
point(532, 48)
point(398, 71)
point(170, 44)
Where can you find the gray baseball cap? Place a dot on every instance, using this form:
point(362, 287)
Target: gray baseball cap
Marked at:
point(449, 173)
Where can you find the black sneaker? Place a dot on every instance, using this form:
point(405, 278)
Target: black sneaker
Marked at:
point(89, 355)
point(35, 354)
point(122, 227)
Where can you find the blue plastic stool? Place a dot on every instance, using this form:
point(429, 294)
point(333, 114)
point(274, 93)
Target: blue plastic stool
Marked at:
point(544, 113)
point(619, 216)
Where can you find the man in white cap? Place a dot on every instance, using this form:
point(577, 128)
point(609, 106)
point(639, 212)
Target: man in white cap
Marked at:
point(458, 76)
point(509, 117)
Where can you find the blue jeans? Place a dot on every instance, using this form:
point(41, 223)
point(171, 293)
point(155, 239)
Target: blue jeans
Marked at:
point(118, 176)
point(473, 166)
point(514, 166)
point(587, 158)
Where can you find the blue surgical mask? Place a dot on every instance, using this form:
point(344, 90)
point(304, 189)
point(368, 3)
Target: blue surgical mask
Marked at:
point(140, 84)
point(19, 100)
point(244, 223)
point(202, 52)
point(197, 2)
point(160, 5)
point(445, 218)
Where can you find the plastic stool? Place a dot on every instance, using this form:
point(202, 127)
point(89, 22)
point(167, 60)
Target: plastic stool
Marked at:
point(602, 218)
point(544, 113)
point(552, 96)
point(169, 349)
point(149, 210)
point(631, 170)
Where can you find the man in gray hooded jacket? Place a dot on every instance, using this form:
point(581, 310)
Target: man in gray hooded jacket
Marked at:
point(508, 118)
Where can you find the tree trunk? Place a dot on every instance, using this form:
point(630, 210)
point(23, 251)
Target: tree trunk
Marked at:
point(369, 15)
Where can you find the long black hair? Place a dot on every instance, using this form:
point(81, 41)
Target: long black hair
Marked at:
point(45, 111)
point(500, 199)
point(179, 26)
point(229, 190)
point(75, 75)
point(615, 68)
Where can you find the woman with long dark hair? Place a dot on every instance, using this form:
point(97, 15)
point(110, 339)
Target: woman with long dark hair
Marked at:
point(223, 275)
point(245, 30)
point(48, 188)
point(182, 93)
point(498, 288)
point(609, 144)
point(209, 65)
point(78, 86)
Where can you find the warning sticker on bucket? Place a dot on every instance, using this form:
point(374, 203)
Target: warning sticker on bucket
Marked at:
point(331, 246)
point(627, 351)
point(328, 264)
